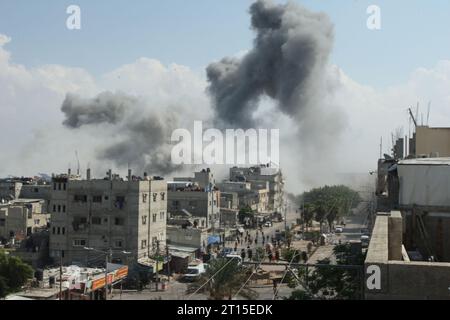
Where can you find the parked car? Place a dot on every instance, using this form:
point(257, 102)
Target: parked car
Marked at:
point(339, 230)
point(268, 224)
point(234, 256)
point(194, 271)
point(365, 239)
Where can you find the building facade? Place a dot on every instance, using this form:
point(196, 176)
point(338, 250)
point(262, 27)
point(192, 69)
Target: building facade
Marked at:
point(126, 217)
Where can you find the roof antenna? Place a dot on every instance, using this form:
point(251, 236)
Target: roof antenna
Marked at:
point(428, 114)
point(78, 162)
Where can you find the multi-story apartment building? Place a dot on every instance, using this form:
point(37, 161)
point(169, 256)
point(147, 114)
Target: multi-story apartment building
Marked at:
point(196, 195)
point(127, 217)
point(21, 218)
point(263, 173)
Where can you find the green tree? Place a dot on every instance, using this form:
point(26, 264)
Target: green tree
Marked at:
point(14, 273)
point(327, 203)
point(223, 280)
point(245, 213)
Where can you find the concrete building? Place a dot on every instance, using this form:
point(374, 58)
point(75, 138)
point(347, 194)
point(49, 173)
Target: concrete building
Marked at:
point(257, 198)
point(125, 216)
point(263, 174)
point(25, 188)
point(390, 269)
point(198, 196)
point(21, 218)
point(432, 142)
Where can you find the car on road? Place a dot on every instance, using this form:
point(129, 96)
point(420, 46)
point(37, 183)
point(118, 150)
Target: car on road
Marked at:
point(194, 271)
point(268, 224)
point(234, 256)
point(339, 229)
point(365, 239)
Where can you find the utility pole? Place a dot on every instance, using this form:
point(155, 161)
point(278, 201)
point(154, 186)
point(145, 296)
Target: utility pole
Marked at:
point(157, 264)
point(60, 275)
point(168, 263)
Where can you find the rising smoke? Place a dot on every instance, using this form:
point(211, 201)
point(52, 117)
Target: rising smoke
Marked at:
point(133, 134)
point(287, 62)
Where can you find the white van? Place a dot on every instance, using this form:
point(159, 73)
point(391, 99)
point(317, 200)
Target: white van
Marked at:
point(194, 271)
point(234, 256)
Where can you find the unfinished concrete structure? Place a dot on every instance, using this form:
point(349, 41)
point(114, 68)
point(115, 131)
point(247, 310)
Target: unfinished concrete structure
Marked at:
point(390, 271)
point(125, 216)
point(263, 174)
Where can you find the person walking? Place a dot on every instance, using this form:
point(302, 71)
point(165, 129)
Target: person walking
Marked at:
point(277, 255)
point(243, 254)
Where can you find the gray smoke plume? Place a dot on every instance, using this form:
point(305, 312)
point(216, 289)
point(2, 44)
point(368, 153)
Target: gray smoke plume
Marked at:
point(290, 51)
point(133, 134)
point(106, 107)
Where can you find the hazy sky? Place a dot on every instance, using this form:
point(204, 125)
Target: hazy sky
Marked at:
point(414, 34)
point(148, 48)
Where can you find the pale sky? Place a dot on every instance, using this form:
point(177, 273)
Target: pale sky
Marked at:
point(154, 44)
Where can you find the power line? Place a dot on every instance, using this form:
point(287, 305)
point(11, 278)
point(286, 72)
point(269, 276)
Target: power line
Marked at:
point(211, 277)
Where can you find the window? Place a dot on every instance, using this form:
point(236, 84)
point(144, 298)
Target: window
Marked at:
point(144, 197)
point(54, 208)
point(36, 190)
point(80, 198)
point(64, 186)
point(163, 195)
point(143, 244)
point(154, 217)
point(59, 186)
point(82, 220)
point(53, 230)
point(36, 222)
point(96, 220)
point(63, 208)
point(54, 186)
point(59, 230)
point(2, 222)
point(97, 199)
point(161, 215)
point(119, 221)
point(118, 243)
point(120, 202)
point(63, 230)
point(144, 220)
point(154, 197)
point(59, 208)
point(79, 242)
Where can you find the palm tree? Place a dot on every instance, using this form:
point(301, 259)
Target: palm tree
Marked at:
point(223, 279)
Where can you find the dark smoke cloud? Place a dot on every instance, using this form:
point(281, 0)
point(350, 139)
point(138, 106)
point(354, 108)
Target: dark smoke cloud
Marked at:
point(106, 107)
point(133, 134)
point(290, 52)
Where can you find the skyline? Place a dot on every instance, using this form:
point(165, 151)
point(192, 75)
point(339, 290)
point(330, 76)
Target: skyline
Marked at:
point(36, 78)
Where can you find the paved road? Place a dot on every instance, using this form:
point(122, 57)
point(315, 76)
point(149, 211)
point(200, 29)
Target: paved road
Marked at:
point(291, 217)
point(355, 223)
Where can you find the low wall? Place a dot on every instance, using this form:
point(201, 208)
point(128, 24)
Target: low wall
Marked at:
point(390, 279)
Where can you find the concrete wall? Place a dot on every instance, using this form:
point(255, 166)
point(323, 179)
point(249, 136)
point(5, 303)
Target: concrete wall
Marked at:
point(389, 279)
point(189, 237)
point(432, 140)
